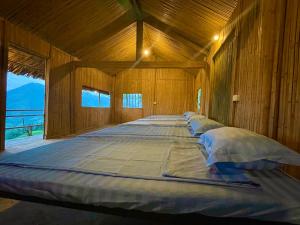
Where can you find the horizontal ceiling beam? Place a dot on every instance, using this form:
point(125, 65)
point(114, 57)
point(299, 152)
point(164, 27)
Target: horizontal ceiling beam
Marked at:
point(142, 64)
point(174, 33)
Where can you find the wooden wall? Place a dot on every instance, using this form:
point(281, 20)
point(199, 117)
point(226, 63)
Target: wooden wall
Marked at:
point(165, 91)
point(202, 81)
point(289, 95)
point(62, 101)
point(58, 94)
point(221, 81)
point(91, 118)
point(264, 71)
point(3, 78)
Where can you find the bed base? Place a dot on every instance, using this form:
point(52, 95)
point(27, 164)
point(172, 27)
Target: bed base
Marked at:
point(191, 218)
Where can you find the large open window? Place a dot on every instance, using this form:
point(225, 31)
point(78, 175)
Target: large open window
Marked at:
point(133, 101)
point(25, 97)
point(92, 98)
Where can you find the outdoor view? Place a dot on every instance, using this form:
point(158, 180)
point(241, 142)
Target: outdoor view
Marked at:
point(25, 106)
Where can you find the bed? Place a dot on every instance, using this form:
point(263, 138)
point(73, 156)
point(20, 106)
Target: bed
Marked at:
point(148, 169)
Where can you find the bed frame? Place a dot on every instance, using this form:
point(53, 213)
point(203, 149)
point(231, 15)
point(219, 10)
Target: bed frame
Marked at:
point(191, 218)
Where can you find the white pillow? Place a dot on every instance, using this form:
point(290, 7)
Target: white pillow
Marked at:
point(203, 125)
point(196, 117)
point(236, 145)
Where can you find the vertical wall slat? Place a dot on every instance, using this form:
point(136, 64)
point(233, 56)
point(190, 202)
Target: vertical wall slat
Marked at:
point(3, 80)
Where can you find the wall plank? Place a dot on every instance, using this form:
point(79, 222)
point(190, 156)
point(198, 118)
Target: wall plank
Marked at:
point(58, 84)
point(202, 81)
point(134, 81)
point(91, 118)
point(173, 92)
point(3, 80)
point(289, 106)
point(171, 89)
point(266, 70)
point(63, 112)
point(222, 84)
point(27, 41)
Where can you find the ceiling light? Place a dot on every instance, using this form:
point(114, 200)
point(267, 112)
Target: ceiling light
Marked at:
point(216, 37)
point(146, 52)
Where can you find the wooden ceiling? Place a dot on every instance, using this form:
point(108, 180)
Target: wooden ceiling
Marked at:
point(105, 30)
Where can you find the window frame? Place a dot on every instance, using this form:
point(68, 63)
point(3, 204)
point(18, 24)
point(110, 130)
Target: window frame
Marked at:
point(135, 99)
point(199, 97)
point(99, 92)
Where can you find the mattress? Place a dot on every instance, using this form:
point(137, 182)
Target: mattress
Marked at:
point(166, 117)
point(277, 198)
point(138, 130)
point(158, 122)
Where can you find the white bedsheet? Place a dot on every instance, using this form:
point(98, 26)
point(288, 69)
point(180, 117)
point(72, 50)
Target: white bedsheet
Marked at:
point(278, 199)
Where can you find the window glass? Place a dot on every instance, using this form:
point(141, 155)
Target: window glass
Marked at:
point(132, 101)
point(94, 98)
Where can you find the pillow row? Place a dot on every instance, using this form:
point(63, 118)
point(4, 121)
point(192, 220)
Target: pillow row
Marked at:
point(200, 126)
point(187, 115)
point(240, 148)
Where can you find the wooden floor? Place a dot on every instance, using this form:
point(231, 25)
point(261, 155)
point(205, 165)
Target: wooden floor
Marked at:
point(26, 143)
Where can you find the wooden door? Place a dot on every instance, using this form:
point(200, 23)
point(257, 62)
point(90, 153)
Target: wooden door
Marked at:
point(173, 92)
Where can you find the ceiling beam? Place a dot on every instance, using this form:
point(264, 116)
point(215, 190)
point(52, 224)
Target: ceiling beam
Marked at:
point(106, 32)
point(139, 28)
point(137, 9)
point(173, 32)
point(140, 64)
point(139, 39)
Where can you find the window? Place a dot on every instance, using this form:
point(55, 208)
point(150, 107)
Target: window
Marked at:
point(132, 101)
point(94, 98)
point(199, 99)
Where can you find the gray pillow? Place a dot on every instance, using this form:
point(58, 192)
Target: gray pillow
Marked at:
point(196, 117)
point(236, 145)
point(187, 115)
point(203, 125)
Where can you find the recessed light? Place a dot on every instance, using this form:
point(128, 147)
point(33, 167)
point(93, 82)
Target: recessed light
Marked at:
point(146, 52)
point(216, 37)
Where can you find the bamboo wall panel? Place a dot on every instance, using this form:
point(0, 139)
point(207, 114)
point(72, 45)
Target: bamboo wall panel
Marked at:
point(58, 86)
point(173, 92)
point(134, 81)
point(266, 70)
point(171, 89)
point(289, 107)
point(63, 112)
point(3, 78)
point(91, 118)
point(202, 81)
point(221, 82)
point(27, 41)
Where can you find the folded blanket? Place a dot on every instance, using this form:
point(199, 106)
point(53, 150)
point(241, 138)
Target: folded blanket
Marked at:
point(189, 162)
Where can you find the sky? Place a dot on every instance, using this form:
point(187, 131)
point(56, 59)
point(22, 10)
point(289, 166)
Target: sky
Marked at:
point(14, 81)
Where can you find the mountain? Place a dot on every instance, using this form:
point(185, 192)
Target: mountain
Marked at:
point(29, 96)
